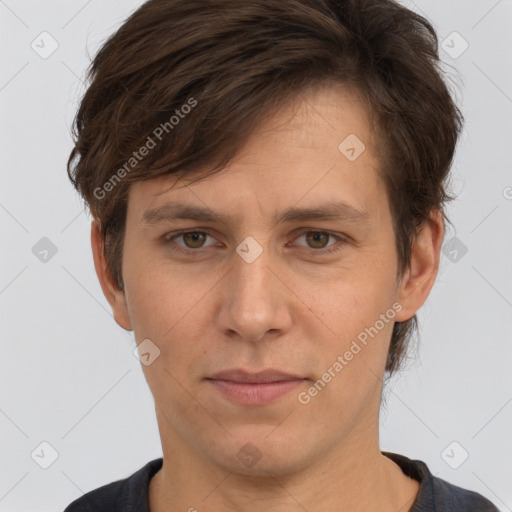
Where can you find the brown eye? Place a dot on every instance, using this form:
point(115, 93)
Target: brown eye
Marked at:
point(194, 240)
point(317, 239)
point(317, 242)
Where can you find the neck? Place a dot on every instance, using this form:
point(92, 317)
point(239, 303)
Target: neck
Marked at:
point(355, 477)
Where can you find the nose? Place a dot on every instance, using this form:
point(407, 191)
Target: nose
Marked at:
point(256, 302)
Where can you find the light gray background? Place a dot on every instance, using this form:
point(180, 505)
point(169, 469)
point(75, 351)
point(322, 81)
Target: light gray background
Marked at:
point(67, 372)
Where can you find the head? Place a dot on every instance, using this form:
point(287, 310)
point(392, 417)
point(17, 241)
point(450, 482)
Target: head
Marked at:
point(249, 110)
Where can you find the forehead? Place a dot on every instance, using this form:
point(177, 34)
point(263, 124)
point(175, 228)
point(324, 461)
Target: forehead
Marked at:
point(316, 149)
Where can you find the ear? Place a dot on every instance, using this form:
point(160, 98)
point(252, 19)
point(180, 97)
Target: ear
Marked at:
point(420, 277)
point(112, 292)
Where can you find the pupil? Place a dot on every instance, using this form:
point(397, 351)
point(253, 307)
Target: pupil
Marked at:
point(315, 236)
point(196, 237)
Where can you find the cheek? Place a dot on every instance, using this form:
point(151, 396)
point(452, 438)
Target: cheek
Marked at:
point(350, 298)
point(346, 318)
point(157, 295)
point(354, 348)
point(170, 309)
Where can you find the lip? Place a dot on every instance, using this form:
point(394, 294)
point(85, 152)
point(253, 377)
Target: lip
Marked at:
point(259, 388)
point(264, 376)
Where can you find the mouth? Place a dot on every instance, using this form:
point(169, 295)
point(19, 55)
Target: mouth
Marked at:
point(254, 389)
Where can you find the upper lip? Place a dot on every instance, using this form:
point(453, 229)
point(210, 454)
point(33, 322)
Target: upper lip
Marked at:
point(268, 375)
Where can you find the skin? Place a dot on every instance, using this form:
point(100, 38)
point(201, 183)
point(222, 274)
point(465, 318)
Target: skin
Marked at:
point(290, 309)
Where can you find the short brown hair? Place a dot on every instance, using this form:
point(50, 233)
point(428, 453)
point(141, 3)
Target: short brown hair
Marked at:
point(239, 62)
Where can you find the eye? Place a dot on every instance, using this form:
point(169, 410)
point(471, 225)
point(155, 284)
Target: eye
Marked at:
point(318, 240)
point(193, 240)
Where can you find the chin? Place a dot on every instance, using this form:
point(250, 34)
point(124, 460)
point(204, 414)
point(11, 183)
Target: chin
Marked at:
point(259, 455)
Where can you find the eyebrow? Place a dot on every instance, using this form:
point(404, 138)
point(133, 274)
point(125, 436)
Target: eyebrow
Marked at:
point(336, 210)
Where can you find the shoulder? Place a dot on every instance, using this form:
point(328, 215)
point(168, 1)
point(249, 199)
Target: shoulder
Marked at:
point(124, 495)
point(451, 497)
point(436, 494)
point(106, 497)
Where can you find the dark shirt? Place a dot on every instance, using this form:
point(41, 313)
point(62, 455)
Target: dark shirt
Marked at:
point(435, 495)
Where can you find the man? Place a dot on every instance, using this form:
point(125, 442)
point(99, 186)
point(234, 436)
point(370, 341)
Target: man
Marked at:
point(267, 182)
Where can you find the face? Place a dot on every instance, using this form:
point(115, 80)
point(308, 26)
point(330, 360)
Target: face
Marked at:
point(268, 283)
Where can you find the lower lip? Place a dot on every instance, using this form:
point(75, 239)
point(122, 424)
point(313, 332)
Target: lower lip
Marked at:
point(255, 393)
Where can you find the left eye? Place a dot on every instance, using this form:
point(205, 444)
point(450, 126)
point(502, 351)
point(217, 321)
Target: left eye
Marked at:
point(317, 238)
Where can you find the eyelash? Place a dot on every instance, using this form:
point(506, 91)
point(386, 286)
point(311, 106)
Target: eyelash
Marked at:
point(328, 250)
